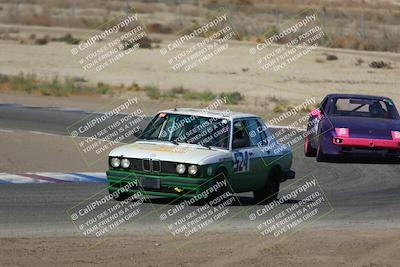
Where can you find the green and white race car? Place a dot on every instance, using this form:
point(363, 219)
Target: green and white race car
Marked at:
point(182, 152)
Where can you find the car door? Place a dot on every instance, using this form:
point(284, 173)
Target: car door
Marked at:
point(246, 155)
point(268, 148)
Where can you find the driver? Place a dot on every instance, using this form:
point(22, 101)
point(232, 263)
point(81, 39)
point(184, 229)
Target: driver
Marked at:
point(376, 110)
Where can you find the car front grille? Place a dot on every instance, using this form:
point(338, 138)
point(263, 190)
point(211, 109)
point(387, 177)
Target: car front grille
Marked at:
point(153, 165)
point(146, 166)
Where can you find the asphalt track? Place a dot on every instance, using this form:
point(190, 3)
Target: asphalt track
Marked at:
point(360, 194)
point(49, 120)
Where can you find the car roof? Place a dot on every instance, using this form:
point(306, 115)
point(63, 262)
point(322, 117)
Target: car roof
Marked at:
point(357, 96)
point(223, 114)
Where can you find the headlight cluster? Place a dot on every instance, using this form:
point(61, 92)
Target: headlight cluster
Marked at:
point(181, 168)
point(124, 163)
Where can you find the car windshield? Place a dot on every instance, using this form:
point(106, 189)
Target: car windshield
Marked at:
point(363, 107)
point(177, 128)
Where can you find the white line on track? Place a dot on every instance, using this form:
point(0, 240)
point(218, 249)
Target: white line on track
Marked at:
point(52, 177)
point(6, 131)
point(42, 133)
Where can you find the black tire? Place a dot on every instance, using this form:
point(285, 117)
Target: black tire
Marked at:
point(321, 157)
point(271, 190)
point(309, 151)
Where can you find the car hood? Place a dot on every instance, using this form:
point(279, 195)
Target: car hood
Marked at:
point(363, 127)
point(184, 153)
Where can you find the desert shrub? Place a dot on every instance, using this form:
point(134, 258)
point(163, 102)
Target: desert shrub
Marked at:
point(23, 82)
point(331, 57)
point(102, 88)
point(206, 95)
point(159, 28)
point(289, 108)
point(133, 87)
point(4, 78)
point(30, 83)
point(67, 38)
point(152, 92)
point(54, 87)
point(178, 90)
point(233, 98)
point(144, 42)
point(359, 61)
point(203, 96)
point(127, 44)
point(79, 79)
point(380, 65)
point(42, 41)
point(279, 108)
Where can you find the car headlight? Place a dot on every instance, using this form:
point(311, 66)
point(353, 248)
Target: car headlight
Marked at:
point(192, 169)
point(115, 162)
point(180, 168)
point(125, 163)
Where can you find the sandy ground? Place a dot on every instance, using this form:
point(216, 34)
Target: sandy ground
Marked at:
point(303, 78)
point(334, 247)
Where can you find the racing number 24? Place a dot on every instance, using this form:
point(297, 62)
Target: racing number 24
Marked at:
point(241, 161)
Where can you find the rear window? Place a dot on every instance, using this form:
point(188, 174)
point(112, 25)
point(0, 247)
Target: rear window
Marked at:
point(362, 107)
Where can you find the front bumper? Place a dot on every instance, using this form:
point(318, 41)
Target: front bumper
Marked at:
point(156, 185)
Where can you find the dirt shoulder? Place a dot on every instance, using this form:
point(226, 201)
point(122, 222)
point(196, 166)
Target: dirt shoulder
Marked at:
point(346, 247)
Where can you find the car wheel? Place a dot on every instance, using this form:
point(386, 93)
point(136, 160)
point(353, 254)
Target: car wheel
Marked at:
point(321, 157)
point(309, 151)
point(271, 190)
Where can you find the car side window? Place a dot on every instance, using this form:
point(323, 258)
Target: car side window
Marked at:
point(240, 135)
point(253, 132)
point(263, 133)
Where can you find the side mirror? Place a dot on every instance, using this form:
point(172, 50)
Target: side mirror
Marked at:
point(238, 143)
point(138, 133)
